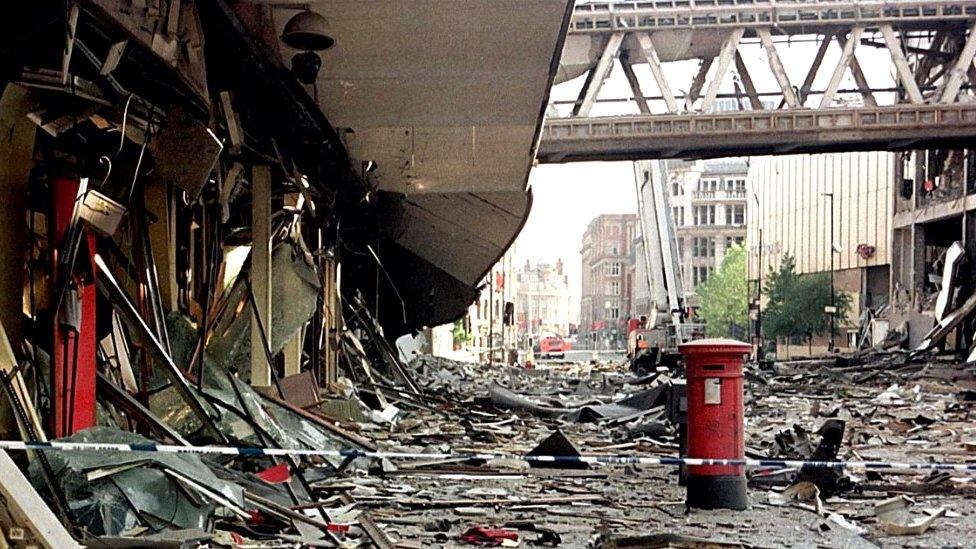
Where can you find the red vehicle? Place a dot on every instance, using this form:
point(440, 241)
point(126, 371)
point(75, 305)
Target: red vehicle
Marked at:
point(553, 346)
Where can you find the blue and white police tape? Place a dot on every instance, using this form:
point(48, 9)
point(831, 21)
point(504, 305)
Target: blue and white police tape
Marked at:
point(244, 451)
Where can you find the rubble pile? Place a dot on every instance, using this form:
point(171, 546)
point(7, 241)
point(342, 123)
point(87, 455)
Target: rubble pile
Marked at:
point(798, 410)
point(877, 407)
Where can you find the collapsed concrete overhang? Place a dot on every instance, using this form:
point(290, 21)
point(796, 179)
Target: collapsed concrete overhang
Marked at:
point(447, 99)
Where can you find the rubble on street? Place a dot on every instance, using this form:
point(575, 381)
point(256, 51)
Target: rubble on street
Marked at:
point(889, 416)
point(880, 408)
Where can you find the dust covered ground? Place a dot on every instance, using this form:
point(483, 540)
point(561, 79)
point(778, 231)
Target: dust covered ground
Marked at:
point(890, 411)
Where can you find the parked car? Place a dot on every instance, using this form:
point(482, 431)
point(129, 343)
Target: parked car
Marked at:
point(553, 347)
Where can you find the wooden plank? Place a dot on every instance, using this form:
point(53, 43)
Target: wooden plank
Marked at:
point(134, 409)
point(842, 64)
point(28, 510)
point(260, 271)
point(779, 71)
point(724, 60)
point(320, 419)
point(69, 46)
point(905, 75)
point(600, 73)
point(650, 52)
point(234, 131)
point(8, 365)
point(162, 239)
point(331, 322)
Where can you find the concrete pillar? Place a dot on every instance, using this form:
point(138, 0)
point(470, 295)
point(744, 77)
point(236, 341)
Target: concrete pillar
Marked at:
point(261, 271)
point(293, 353)
point(16, 153)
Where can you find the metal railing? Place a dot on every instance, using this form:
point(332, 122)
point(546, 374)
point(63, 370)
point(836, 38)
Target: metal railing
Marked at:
point(691, 134)
point(787, 15)
point(719, 194)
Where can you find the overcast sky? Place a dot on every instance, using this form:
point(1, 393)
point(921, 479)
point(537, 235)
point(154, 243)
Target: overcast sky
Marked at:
point(569, 196)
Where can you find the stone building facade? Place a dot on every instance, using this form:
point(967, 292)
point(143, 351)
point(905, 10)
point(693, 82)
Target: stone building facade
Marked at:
point(607, 254)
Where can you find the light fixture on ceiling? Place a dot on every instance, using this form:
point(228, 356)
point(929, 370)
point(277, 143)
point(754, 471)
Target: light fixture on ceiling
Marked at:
point(310, 32)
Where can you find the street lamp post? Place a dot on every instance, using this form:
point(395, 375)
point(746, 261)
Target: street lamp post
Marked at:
point(759, 347)
point(833, 306)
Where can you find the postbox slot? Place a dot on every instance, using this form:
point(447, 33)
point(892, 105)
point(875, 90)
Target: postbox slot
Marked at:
point(714, 367)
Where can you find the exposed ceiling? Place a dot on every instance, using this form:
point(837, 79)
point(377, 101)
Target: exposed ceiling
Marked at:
point(447, 97)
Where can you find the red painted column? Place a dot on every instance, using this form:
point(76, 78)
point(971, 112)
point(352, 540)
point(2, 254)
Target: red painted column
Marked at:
point(73, 353)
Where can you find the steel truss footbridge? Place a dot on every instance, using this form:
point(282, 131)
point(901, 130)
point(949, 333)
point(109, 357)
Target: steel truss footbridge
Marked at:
point(755, 90)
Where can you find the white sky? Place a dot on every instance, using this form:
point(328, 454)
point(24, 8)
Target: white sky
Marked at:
point(569, 196)
point(566, 197)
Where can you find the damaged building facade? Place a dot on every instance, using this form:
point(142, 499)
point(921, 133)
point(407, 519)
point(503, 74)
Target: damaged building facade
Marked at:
point(215, 209)
point(934, 205)
point(896, 218)
point(828, 212)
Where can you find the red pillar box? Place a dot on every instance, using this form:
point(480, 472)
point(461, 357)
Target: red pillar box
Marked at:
point(716, 428)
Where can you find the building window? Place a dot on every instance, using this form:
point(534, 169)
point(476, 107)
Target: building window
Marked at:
point(611, 269)
point(613, 287)
point(676, 189)
point(703, 247)
point(739, 184)
point(704, 215)
point(701, 274)
point(738, 215)
point(678, 213)
point(709, 184)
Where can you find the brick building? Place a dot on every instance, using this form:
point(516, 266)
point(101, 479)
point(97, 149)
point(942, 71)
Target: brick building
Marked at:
point(608, 278)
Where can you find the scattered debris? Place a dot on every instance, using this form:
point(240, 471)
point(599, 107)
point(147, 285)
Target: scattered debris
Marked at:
point(895, 517)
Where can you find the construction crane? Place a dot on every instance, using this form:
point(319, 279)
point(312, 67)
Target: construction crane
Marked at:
point(653, 338)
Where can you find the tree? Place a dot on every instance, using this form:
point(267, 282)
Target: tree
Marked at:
point(795, 303)
point(724, 296)
point(460, 335)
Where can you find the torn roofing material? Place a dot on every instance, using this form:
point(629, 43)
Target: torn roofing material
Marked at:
point(631, 406)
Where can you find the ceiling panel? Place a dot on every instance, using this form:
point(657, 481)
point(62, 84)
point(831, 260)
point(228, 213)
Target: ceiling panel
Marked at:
point(446, 96)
